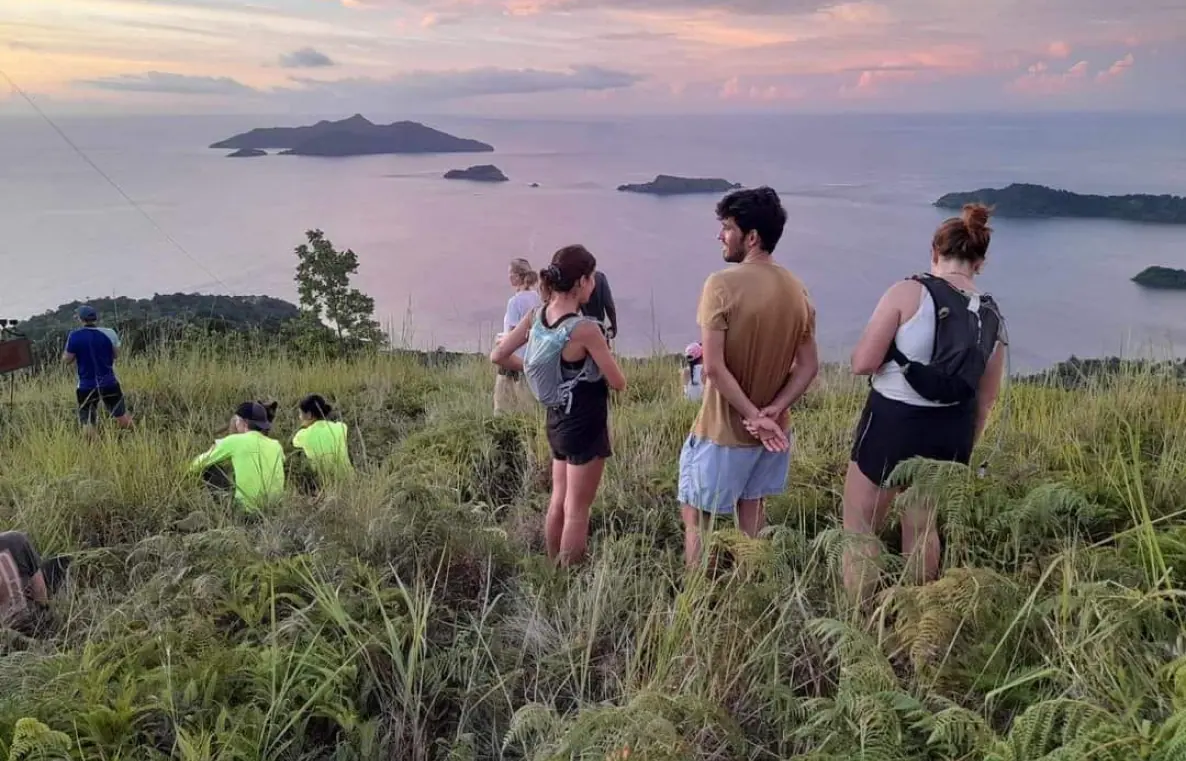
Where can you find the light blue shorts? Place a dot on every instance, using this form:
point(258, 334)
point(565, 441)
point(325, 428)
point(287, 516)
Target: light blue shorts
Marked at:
point(713, 478)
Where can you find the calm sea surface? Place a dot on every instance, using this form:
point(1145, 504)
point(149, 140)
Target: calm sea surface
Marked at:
point(433, 252)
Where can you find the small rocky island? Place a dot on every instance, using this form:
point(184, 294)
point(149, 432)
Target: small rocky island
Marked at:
point(1040, 202)
point(669, 185)
point(356, 136)
point(1162, 278)
point(479, 173)
point(246, 153)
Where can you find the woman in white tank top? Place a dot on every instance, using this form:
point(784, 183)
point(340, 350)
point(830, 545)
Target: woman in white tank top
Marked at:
point(510, 393)
point(898, 423)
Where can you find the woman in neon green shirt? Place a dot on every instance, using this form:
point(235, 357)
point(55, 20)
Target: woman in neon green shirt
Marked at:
point(322, 439)
point(256, 460)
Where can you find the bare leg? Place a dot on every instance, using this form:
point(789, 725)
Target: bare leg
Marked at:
point(554, 520)
point(920, 542)
point(751, 516)
point(583, 481)
point(865, 506)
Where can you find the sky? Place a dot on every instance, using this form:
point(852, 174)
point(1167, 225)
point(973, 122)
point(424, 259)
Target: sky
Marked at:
point(559, 57)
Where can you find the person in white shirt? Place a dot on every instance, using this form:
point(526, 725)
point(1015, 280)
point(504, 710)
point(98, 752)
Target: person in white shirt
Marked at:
point(510, 392)
point(693, 371)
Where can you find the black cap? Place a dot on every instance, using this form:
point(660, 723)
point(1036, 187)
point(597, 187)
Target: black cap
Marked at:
point(255, 415)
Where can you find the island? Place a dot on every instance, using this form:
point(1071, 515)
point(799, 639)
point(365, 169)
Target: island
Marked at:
point(355, 136)
point(1164, 278)
point(669, 185)
point(479, 173)
point(1038, 201)
point(246, 153)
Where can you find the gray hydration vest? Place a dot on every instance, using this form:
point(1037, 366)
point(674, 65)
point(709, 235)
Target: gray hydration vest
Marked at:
point(548, 379)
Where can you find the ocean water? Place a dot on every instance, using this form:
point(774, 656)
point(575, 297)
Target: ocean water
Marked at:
point(433, 252)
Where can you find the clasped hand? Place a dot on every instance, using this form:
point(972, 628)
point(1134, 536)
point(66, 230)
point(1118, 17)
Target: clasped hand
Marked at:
point(769, 427)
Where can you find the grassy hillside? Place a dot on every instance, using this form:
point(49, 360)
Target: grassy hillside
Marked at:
point(410, 616)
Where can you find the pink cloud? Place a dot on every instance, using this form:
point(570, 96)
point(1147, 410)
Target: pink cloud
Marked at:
point(1116, 69)
point(1040, 80)
point(1058, 49)
point(735, 89)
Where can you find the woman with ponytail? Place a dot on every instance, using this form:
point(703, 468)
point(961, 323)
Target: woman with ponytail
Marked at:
point(570, 369)
point(322, 439)
point(933, 349)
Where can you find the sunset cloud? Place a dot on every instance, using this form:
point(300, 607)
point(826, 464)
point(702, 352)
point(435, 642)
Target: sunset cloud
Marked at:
point(1039, 79)
point(652, 54)
point(305, 58)
point(167, 82)
point(1116, 69)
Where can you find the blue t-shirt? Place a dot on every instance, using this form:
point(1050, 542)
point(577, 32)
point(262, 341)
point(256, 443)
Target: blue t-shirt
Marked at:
point(94, 353)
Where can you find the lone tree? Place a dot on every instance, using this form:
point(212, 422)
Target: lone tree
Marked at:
point(323, 282)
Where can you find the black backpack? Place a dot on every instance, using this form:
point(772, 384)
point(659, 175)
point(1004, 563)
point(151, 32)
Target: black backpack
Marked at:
point(964, 342)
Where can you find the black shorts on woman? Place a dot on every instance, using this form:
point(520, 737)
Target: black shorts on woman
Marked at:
point(581, 434)
point(891, 432)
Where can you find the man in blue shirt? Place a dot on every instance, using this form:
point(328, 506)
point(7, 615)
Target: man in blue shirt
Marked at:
point(93, 350)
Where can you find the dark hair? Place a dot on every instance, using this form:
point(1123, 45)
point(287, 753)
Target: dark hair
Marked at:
point(757, 209)
point(569, 265)
point(965, 237)
point(315, 406)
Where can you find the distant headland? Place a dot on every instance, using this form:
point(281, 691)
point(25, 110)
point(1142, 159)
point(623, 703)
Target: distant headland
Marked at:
point(355, 136)
point(479, 173)
point(669, 185)
point(1038, 201)
point(1164, 278)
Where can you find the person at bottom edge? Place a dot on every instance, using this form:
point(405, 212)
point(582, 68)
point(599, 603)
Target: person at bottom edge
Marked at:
point(569, 369)
point(757, 328)
point(26, 582)
point(257, 461)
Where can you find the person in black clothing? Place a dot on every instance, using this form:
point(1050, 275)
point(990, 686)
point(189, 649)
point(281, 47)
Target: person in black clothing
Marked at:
point(601, 306)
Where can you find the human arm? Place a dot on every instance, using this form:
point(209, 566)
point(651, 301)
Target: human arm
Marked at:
point(803, 374)
point(990, 387)
point(212, 456)
point(611, 311)
point(69, 353)
point(503, 353)
point(685, 375)
point(871, 349)
point(588, 335)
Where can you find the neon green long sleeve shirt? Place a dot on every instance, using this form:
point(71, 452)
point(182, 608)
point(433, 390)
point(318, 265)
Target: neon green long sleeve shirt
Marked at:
point(257, 462)
point(324, 443)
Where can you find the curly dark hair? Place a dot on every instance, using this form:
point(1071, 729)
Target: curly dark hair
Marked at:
point(757, 209)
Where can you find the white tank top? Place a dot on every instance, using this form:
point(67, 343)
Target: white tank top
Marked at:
point(915, 338)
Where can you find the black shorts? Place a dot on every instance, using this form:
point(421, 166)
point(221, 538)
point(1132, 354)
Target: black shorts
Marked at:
point(88, 402)
point(582, 434)
point(891, 432)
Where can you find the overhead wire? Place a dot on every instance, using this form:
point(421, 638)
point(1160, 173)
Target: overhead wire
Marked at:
point(131, 201)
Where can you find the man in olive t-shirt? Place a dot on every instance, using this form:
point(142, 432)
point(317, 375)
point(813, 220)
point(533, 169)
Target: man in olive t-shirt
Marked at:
point(757, 327)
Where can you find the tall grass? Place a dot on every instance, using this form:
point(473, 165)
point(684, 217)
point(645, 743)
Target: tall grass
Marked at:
point(408, 613)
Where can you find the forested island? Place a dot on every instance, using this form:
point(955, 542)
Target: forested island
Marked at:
point(1164, 278)
point(479, 173)
point(1040, 202)
point(355, 136)
point(164, 317)
point(671, 185)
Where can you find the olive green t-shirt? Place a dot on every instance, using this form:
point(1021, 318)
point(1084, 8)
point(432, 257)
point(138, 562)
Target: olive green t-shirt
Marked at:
point(766, 314)
point(258, 464)
point(324, 443)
